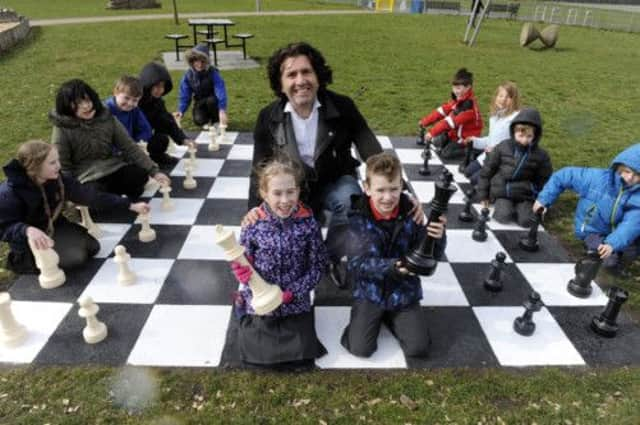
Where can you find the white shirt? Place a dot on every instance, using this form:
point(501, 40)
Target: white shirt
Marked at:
point(305, 130)
point(498, 131)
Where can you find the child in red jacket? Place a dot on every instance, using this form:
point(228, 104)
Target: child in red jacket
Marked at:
point(455, 120)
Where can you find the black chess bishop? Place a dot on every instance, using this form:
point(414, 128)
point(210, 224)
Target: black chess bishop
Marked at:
point(586, 270)
point(466, 215)
point(529, 243)
point(524, 324)
point(606, 323)
point(493, 282)
point(479, 233)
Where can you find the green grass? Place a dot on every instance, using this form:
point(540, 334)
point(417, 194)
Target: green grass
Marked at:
point(39, 9)
point(397, 68)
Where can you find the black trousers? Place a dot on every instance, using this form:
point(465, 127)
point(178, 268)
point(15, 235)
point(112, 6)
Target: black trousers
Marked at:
point(506, 211)
point(158, 145)
point(205, 111)
point(447, 148)
point(74, 245)
point(128, 180)
point(408, 325)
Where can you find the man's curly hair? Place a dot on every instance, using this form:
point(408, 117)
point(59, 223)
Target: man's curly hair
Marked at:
point(274, 71)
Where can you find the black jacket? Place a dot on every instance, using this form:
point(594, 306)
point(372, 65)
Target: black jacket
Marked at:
point(340, 125)
point(154, 108)
point(515, 172)
point(22, 205)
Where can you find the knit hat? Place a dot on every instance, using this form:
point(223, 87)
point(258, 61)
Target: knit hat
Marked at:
point(463, 77)
point(199, 52)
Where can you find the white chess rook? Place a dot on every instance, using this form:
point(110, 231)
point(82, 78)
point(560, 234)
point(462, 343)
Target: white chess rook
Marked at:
point(51, 276)
point(213, 142)
point(125, 276)
point(146, 233)
point(87, 222)
point(189, 182)
point(12, 333)
point(95, 331)
point(266, 297)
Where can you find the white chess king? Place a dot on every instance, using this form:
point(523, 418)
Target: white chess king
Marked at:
point(12, 333)
point(266, 297)
point(51, 276)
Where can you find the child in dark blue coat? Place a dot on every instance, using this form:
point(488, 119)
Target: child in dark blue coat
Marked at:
point(608, 213)
point(124, 106)
point(381, 231)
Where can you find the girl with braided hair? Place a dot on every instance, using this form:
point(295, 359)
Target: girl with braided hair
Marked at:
point(31, 203)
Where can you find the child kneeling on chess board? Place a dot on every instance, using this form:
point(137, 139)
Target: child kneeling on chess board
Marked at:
point(515, 171)
point(95, 147)
point(286, 248)
point(607, 216)
point(31, 202)
point(381, 232)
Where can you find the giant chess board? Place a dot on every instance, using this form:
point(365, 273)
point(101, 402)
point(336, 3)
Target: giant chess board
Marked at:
point(179, 311)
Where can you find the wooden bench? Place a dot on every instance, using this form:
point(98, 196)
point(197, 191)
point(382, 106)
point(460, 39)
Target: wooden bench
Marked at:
point(244, 37)
point(213, 43)
point(449, 6)
point(176, 38)
point(510, 9)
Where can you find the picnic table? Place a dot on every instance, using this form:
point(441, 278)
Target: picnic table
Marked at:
point(210, 24)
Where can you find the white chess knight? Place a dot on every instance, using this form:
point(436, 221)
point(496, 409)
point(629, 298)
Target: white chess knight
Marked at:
point(95, 331)
point(213, 141)
point(166, 203)
point(51, 276)
point(266, 296)
point(189, 182)
point(87, 222)
point(12, 333)
point(146, 233)
point(125, 276)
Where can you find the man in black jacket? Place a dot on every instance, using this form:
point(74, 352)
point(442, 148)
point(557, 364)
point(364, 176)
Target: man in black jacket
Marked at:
point(315, 127)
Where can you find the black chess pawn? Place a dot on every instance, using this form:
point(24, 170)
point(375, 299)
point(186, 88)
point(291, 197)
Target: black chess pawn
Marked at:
point(479, 233)
point(529, 243)
point(606, 324)
point(426, 156)
point(468, 153)
point(420, 138)
point(523, 324)
point(493, 282)
point(466, 215)
point(586, 270)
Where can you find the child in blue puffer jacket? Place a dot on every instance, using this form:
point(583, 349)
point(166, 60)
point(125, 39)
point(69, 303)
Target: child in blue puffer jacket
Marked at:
point(608, 212)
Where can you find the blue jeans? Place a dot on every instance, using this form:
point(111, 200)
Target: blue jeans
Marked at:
point(336, 198)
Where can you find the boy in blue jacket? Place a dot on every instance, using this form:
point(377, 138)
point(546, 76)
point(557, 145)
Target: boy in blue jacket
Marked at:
point(124, 106)
point(608, 212)
point(381, 231)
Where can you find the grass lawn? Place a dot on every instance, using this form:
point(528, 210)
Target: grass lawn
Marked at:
point(397, 68)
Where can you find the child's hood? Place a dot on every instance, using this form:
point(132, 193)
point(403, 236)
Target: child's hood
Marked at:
point(629, 157)
point(67, 121)
point(153, 73)
point(531, 117)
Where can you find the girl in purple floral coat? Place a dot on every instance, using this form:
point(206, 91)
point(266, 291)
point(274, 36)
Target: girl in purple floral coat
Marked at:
point(286, 249)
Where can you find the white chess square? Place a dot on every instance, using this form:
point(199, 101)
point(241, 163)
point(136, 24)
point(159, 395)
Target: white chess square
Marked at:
point(40, 320)
point(182, 335)
point(178, 151)
point(442, 288)
point(201, 243)
point(242, 152)
point(426, 190)
point(547, 346)
point(414, 156)
point(184, 211)
point(385, 142)
point(330, 323)
point(205, 167)
point(203, 138)
point(550, 281)
point(494, 225)
point(230, 188)
point(151, 274)
point(457, 175)
point(461, 248)
point(111, 235)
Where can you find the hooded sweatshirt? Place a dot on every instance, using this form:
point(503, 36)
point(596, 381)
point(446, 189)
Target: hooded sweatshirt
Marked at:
point(607, 205)
point(134, 120)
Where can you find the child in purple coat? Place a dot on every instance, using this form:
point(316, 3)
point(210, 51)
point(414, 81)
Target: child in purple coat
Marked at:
point(286, 249)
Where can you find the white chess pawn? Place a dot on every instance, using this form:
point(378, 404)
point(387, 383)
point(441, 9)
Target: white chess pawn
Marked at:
point(51, 276)
point(95, 331)
point(143, 145)
point(146, 234)
point(192, 157)
point(167, 203)
point(213, 142)
point(125, 276)
point(92, 228)
point(12, 333)
point(223, 133)
point(189, 182)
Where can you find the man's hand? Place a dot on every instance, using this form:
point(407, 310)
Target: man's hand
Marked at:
point(223, 118)
point(436, 229)
point(250, 218)
point(140, 207)
point(190, 143)
point(38, 238)
point(605, 250)
point(162, 179)
point(485, 203)
point(537, 205)
point(402, 270)
point(416, 212)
